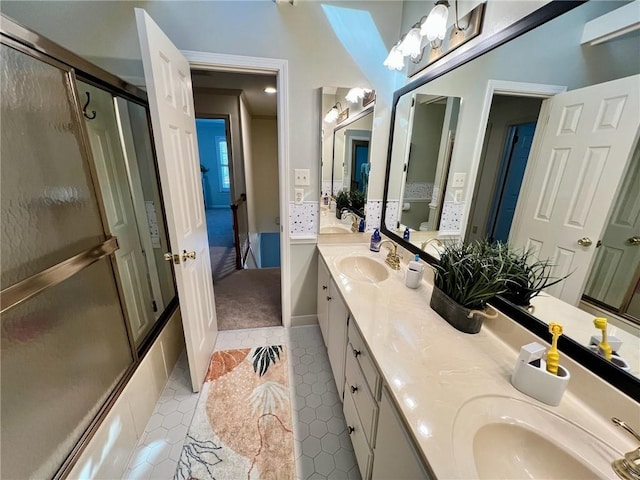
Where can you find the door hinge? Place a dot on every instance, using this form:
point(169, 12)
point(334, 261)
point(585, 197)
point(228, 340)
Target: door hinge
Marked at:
point(154, 305)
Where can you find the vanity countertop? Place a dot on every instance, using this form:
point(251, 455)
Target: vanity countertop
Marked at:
point(432, 369)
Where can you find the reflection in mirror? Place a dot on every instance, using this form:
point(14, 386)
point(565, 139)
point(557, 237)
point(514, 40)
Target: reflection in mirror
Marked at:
point(546, 158)
point(419, 168)
point(345, 161)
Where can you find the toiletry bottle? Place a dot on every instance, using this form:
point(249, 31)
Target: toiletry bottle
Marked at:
point(415, 270)
point(375, 241)
point(405, 235)
point(325, 199)
point(361, 225)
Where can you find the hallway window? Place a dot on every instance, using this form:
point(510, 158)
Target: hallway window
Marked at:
point(223, 164)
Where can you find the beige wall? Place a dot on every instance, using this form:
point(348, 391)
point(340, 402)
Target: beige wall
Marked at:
point(264, 161)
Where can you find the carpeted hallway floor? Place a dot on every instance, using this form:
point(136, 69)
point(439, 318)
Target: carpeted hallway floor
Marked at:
point(249, 299)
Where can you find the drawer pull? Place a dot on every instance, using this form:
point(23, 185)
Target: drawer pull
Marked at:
point(324, 287)
point(350, 429)
point(353, 389)
point(329, 299)
point(356, 352)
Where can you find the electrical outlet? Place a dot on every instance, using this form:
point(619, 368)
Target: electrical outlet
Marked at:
point(299, 196)
point(302, 176)
point(459, 179)
point(457, 197)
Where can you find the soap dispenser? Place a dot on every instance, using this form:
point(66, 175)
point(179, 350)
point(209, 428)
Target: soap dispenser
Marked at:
point(376, 239)
point(415, 270)
point(406, 234)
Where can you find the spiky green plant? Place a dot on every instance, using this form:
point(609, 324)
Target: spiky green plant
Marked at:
point(527, 276)
point(357, 199)
point(471, 274)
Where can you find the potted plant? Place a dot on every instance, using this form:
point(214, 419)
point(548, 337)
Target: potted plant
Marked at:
point(466, 277)
point(342, 202)
point(527, 277)
point(356, 198)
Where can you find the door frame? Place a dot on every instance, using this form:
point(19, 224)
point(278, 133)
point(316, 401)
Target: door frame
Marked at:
point(502, 87)
point(245, 64)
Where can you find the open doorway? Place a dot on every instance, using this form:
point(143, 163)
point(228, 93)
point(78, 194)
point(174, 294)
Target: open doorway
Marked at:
point(213, 146)
point(237, 125)
point(507, 143)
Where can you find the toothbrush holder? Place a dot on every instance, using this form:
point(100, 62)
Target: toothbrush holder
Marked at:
point(530, 376)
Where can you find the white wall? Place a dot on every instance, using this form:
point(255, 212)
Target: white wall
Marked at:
point(325, 43)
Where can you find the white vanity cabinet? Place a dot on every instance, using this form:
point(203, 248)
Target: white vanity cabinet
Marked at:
point(382, 446)
point(394, 456)
point(333, 317)
point(323, 302)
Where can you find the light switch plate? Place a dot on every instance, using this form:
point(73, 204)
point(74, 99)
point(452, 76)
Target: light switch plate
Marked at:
point(299, 196)
point(459, 179)
point(302, 176)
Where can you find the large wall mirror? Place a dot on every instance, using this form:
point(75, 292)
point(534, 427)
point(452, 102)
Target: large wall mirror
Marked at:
point(346, 145)
point(532, 139)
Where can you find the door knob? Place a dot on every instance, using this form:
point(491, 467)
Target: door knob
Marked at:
point(585, 242)
point(188, 255)
point(634, 241)
point(170, 257)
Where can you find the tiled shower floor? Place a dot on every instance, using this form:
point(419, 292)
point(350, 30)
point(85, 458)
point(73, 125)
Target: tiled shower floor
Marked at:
point(322, 446)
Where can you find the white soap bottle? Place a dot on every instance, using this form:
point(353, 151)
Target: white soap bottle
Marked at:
point(415, 270)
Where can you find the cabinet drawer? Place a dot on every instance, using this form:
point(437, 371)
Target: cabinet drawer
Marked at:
point(358, 438)
point(358, 350)
point(366, 406)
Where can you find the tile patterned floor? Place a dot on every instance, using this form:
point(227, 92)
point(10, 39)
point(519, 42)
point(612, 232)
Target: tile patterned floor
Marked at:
point(322, 446)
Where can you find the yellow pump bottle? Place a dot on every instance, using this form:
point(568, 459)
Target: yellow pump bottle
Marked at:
point(604, 347)
point(553, 357)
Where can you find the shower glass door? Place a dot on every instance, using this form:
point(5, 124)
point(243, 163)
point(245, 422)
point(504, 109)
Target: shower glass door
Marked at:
point(64, 342)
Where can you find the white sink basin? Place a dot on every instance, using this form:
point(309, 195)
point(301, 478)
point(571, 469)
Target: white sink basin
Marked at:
point(501, 437)
point(363, 269)
point(335, 229)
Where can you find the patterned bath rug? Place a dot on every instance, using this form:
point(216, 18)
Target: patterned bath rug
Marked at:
point(242, 426)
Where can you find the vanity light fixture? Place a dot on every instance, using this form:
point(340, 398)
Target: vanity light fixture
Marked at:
point(333, 113)
point(270, 90)
point(434, 27)
point(356, 94)
point(395, 59)
point(440, 40)
point(411, 45)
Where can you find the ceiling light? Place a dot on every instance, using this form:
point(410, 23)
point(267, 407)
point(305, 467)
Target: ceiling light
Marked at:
point(270, 90)
point(355, 94)
point(394, 60)
point(435, 25)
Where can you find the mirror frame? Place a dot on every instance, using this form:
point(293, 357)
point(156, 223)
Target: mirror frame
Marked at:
point(618, 378)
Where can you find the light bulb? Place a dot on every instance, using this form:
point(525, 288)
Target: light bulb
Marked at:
point(412, 43)
point(355, 94)
point(332, 115)
point(435, 25)
point(395, 60)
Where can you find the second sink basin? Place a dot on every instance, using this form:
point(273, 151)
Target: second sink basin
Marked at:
point(363, 269)
point(501, 437)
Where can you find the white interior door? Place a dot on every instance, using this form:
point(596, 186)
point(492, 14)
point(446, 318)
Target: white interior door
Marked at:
point(572, 176)
point(618, 257)
point(168, 81)
point(114, 189)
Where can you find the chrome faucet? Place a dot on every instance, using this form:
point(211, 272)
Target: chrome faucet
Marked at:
point(628, 467)
point(393, 259)
point(354, 224)
point(437, 241)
